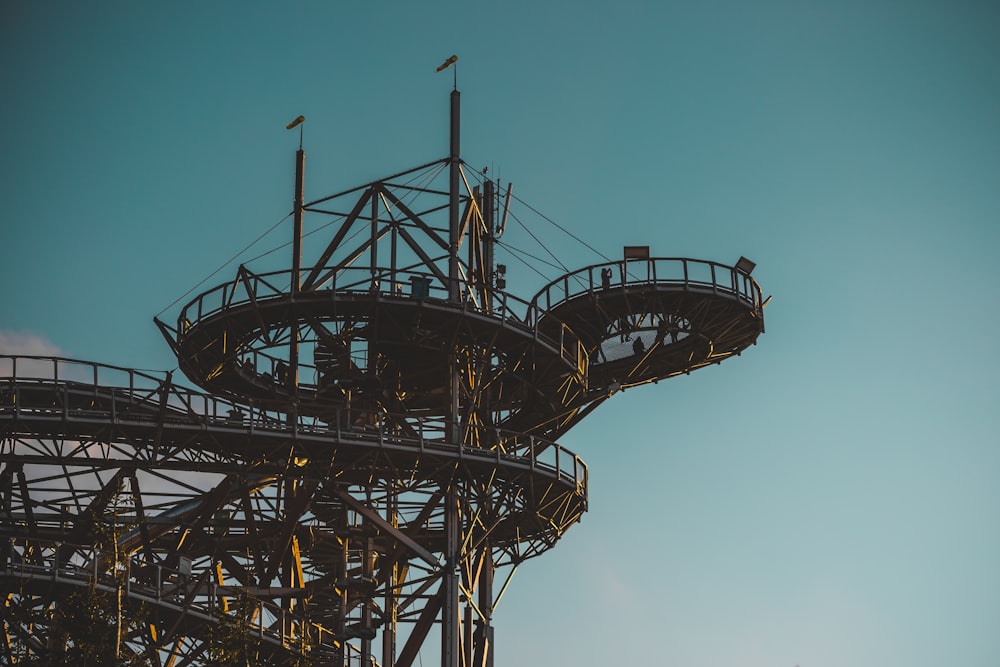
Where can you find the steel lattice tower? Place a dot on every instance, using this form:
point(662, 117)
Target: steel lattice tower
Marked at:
point(374, 433)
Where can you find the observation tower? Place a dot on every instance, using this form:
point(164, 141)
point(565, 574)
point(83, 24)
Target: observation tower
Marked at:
point(370, 449)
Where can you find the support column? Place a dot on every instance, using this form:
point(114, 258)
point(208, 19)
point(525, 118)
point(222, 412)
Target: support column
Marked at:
point(366, 610)
point(484, 632)
point(345, 561)
point(390, 603)
point(467, 639)
point(450, 612)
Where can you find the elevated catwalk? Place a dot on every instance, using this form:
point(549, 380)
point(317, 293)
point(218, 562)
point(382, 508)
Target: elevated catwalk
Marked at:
point(373, 438)
point(193, 489)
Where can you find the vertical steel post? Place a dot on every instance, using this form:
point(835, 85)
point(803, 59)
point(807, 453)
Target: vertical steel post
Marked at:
point(293, 343)
point(467, 639)
point(450, 611)
point(474, 243)
point(393, 277)
point(366, 609)
point(484, 636)
point(343, 660)
point(450, 605)
point(390, 605)
point(489, 278)
point(373, 252)
point(453, 212)
point(300, 167)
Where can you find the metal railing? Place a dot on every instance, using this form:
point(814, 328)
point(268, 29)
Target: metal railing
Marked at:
point(64, 389)
point(251, 288)
point(683, 273)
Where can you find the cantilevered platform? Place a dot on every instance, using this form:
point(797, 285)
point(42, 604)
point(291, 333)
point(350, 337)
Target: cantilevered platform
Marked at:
point(641, 321)
point(654, 318)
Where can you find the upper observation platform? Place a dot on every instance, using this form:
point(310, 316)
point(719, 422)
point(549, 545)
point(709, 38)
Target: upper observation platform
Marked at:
point(641, 320)
point(646, 319)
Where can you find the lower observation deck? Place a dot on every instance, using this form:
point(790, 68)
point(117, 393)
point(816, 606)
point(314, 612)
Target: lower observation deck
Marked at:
point(141, 419)
point(306, 525)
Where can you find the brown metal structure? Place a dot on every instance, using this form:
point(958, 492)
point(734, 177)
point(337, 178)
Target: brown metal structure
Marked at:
point(375, 432)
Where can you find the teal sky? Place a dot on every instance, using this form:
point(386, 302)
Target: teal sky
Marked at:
point(830, 498)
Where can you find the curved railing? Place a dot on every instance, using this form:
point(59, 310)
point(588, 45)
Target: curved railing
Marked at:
point(138, 396)
point(29, 367)
point(686, 274)
point(510, 311)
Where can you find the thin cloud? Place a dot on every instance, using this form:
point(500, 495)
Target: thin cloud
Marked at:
point(13, 342)
point(26, 344)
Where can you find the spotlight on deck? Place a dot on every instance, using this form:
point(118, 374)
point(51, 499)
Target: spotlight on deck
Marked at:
point(745, 266)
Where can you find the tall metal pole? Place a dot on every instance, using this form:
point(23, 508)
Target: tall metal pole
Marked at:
point(450, 589)
point(293, 343)
point(300, 168)
point(453, 212)
point(292, 381)
point(488, 277)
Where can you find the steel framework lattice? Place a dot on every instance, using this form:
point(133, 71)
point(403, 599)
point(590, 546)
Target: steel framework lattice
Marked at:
point(375, 433)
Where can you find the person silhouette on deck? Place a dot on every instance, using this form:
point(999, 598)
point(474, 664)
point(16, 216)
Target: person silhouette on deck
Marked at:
point(638, 347)
point(606, 278)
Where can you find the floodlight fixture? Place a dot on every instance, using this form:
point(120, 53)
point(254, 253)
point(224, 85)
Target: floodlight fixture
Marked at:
point(745, 266)
point(636, 252)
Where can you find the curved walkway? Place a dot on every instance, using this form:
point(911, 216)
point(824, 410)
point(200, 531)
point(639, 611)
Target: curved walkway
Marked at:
point(147, 408)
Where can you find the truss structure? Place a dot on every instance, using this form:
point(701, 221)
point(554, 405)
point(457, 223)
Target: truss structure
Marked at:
point(373, 438)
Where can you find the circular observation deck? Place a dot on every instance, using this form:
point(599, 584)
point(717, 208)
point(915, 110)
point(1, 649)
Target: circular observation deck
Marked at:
point(643, 320)
point(367, 340)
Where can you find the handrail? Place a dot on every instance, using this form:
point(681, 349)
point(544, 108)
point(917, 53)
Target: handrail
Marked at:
point(252, 288)
point(143, 393)
point(688, 274)
point(66, 368)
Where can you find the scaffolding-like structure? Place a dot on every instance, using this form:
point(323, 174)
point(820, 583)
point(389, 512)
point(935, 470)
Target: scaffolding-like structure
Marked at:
point(373, 440)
